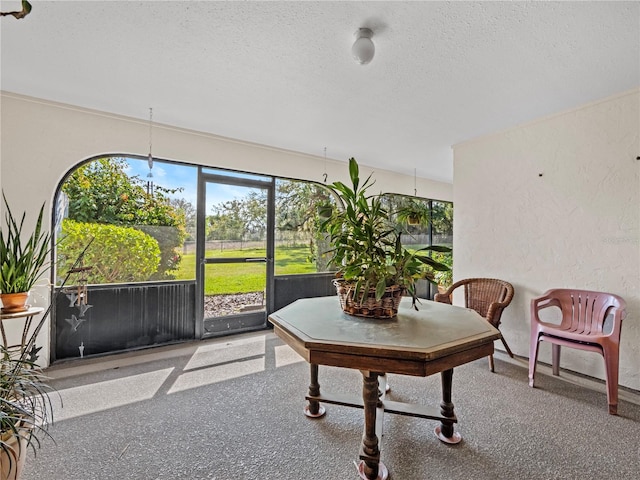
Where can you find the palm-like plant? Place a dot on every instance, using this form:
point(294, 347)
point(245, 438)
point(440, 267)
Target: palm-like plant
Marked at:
point(25, 408)
point(367, 249)
point(22, 262)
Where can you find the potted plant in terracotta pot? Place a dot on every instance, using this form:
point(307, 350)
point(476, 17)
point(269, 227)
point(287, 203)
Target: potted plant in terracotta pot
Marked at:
point(22, 258)
point(25, 409)
point(374, 269)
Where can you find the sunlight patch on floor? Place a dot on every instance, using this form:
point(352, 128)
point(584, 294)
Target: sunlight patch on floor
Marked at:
point(215, 374)
point(208, 364)
point(226, 352)
point(285, 355)
point(96, 397)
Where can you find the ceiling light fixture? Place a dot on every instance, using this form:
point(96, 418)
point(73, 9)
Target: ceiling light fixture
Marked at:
point(363, 48)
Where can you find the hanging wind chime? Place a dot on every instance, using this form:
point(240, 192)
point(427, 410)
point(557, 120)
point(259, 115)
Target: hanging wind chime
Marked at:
point(324, 207)
point(78, 296)
point(414, 218)
point(150, 157)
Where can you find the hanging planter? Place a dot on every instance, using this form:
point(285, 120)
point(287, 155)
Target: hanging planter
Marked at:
point(324, 212)
point(413, 220)
point(414, 213)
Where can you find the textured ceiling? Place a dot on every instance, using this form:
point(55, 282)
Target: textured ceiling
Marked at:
point(281, 73)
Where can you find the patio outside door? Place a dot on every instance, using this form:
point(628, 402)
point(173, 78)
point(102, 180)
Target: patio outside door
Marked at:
point(235, 251)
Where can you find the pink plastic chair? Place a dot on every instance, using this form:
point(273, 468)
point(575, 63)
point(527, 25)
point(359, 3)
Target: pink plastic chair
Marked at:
point(487, 296)
point(590, 321)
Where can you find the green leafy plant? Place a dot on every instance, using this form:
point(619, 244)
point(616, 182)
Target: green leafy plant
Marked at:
point(444, 278)
point(22, 260)
point(25, 404)
point(367, 248)
point(25, 407)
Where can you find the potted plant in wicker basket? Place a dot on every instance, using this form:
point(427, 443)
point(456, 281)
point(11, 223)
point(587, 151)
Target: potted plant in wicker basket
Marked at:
point(375, 270)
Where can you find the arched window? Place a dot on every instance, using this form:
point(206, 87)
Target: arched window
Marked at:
point(139, 223)
point(132, 220)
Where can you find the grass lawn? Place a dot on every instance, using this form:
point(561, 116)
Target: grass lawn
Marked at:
point(228, 278)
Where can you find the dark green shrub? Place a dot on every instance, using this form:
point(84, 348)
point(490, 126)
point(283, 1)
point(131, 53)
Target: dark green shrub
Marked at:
point(117, 254)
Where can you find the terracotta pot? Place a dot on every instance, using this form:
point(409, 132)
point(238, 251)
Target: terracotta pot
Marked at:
point(13, 458)
point(14, 302)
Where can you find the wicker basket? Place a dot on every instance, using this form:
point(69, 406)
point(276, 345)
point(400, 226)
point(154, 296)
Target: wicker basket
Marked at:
point(367, 305)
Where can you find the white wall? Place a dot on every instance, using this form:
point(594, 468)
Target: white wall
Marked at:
point(556, 203)
point(42, 141)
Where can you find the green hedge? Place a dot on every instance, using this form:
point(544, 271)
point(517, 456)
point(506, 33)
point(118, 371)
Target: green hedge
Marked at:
point(117, 254)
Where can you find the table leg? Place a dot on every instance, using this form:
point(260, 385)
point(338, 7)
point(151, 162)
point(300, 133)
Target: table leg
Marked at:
point(313, 409)
point(444, 431)
point(370, 468)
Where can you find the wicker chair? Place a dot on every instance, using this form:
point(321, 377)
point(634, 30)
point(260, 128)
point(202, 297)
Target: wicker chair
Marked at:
point(487, 296)
point(587, 321)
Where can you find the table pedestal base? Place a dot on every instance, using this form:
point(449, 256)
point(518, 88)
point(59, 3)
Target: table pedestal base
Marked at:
point(375, 404)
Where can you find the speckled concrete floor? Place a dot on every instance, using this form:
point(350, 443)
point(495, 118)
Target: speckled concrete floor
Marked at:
point(232, 409)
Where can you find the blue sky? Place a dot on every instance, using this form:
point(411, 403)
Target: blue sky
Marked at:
point(168, 175)
point(171, 175)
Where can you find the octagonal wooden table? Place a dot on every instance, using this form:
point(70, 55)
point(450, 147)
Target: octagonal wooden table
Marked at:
point(434, 339)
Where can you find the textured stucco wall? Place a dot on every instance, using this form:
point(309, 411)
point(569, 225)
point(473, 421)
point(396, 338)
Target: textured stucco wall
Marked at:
point(42, 141)
point(556, 203)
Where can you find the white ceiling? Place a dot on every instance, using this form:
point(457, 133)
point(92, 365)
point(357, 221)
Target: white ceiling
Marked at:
point(281, 73)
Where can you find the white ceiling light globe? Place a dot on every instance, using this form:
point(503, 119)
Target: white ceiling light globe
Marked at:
point(363, 48)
